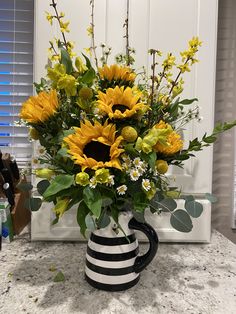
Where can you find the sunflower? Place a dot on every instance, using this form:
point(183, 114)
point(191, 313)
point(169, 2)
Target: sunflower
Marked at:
point(174, 142)
point(120, 102)
point(95, 146)
point(116, 73)
point(39, 108)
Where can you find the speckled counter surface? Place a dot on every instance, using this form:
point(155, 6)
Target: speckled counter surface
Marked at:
point(183, 278)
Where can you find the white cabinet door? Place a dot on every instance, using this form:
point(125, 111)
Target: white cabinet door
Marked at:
point(161, 24)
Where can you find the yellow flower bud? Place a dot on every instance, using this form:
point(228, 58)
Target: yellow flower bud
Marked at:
point(129, 134)
point(33, 134)
point(151, 193)
point(102, 175)
point(161, 166)
point(67, 82)
point(85, 93)
point(82, 178)
point(61, 206)
point(173, 194)
point(81, 67)
point(45, 173)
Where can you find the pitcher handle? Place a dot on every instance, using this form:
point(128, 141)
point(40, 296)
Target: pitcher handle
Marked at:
point(142, 261)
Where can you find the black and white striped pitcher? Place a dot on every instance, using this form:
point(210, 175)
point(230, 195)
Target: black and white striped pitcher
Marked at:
point(112, 260)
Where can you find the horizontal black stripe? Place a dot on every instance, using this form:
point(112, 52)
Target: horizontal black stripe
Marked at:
point(113, 256)
point(112, 241)
point(110, 271)
point(107, 287)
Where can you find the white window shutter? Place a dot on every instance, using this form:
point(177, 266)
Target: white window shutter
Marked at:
point(16, 74)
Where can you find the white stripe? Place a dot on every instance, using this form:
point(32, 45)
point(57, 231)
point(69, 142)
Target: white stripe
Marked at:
point(115, 280)
point(109, 233)
point(115, 249)
point(106, 264)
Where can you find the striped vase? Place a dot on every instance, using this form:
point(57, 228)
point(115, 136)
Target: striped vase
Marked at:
point(112, 260)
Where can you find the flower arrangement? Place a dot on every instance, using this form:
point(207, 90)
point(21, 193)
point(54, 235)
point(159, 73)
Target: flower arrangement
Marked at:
point(110, 133)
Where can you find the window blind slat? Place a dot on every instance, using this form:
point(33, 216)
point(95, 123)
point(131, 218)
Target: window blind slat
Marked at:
point(16, 75)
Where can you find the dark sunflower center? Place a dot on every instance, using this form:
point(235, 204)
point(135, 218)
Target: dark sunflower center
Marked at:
point(97, 151)
point(122, 108)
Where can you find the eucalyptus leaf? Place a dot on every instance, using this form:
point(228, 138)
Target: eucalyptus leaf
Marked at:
point(61, 182)
point(181, 221)
point(93, 199)
point(24, 186)
point(167, 204)
point(35, 203)
point(104, 221)
point(188, 198)
point(90, 224)
point(194, 208)
point(211, 198)
point(42, 186)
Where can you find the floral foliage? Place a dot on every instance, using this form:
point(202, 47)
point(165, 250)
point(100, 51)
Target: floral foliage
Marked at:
point(111, 132)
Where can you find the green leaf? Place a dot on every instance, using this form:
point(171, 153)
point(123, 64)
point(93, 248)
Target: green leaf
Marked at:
point(42, 186)
point(88, 63)
point(59, 277)
point(129, 148)
point(24, 186)
point(61, 182)
point(167, 204)
point(150, 158)
point(211, 198)
point(181, 221)
point(140, 202)
point(104, 221)
point(209, 139)
point(90, 224)
point(187, 101)
point(89, 76)
point(66, 60)
point(188, 198)
point(82, 212)
point(35, 203)
point(93, 199)
point(115, 214)
point(194, 208)
point(55, 221)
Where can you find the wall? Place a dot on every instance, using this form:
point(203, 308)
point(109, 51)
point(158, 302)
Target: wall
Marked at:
point(225, 110)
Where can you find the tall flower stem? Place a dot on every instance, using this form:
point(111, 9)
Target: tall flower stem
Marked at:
point(177, 77)
point(126, 25)
point(93, 28)
point(153, 66)
point(54, 5)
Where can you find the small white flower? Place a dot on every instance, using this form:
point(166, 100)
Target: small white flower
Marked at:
point(110, 180)
point(41, 150)
point(121, 189)
point(134, 174)
point(137, 162)
point(126, 158)
point(93, 183)
point(146, 184)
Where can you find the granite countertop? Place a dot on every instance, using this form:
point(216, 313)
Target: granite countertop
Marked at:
point(183, 278)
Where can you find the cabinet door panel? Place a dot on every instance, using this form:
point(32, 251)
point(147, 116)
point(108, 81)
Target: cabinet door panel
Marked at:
point(161, 24)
